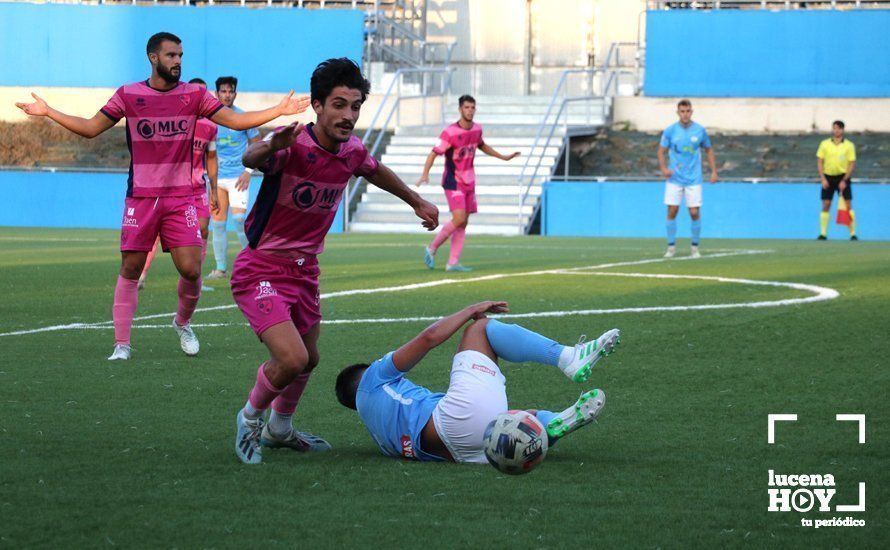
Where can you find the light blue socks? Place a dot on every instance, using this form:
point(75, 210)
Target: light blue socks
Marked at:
point(672, 232)
point(239, 228)
point(518, 345)
point(220, 244)
point(696, 231)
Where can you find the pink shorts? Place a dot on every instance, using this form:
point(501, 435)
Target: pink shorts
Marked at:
point(202, 205)
point(271, 290)
point(174, 219)
point(461, 199)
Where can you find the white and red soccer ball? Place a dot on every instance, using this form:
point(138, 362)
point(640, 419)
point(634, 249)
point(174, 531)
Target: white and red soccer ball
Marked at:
point(515, 442)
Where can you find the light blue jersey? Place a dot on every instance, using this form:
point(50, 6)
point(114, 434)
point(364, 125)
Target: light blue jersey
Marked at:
point(395, 410)
point(230, 145)
point(685, 152)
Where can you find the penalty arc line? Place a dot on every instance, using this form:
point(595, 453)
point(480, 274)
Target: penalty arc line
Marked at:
point(413, 286)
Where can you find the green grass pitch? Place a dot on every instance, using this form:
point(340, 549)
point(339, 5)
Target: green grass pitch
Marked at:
point(140, 454)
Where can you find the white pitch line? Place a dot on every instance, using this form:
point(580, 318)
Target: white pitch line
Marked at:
point(413, 286)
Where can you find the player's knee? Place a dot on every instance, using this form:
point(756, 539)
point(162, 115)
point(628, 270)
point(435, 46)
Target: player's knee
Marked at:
point(477, 326)
point(191, 273)
point(130, 272)
point(293, 362)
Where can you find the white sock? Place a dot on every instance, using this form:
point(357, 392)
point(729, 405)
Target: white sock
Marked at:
point(566, 356)
point(280, 424)
point(250, 413)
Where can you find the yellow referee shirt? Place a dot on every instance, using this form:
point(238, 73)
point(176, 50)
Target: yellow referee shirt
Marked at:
point(836, 156)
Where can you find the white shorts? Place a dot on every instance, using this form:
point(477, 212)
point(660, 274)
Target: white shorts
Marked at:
point(475, 396)
point(674, 194)
point(237, 199)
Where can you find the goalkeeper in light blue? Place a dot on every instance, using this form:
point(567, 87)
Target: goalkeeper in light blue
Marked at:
point(410, 421)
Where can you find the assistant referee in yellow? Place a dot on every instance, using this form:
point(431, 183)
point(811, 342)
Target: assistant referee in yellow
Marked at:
point(836, 159)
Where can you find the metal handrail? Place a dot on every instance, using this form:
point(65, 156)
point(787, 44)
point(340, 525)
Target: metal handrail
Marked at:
point(395, 84)
point(608, 82)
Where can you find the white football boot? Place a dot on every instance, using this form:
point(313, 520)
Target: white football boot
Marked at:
point(588, 353)
point(247, 439)
point(583, 412)
point(671, 250)
point(298, 441)
point(187, 339)
point(121, 353)
point(693, 252)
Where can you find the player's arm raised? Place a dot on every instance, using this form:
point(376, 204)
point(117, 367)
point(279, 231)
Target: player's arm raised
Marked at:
point(289, 105)
point(411, 353)
point(386, 179)
point(487, 149)
point(86, 127)
point(259, 154)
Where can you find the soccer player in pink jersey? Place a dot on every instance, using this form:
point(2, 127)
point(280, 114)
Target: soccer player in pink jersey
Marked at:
point(161, 115)
point(458, 142)
point(204, 170)
point(275, 278)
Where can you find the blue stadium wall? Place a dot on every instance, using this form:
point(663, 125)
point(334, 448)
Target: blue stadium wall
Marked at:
point(729, 210)
point(760, 53)
point(270, 50)
point(77, 199)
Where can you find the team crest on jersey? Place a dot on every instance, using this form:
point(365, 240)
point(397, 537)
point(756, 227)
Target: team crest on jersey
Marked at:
point(311, 157)
point(140, 102)
point(264, 305)
point(185, 98)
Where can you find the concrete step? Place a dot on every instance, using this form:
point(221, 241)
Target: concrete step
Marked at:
point(409, 217)
point(496, 142)
point(400, 207)
point(504, 169)
point(480, 160)
point(506, 201)
point(482, 191)
point(490, 130)
point(472, 229)
point(424, 150)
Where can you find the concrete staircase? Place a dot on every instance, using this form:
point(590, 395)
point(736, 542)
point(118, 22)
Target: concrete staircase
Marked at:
point(509, 124)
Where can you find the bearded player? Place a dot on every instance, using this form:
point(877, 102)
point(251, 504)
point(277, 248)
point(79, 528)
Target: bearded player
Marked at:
point(458, 142)
point(410, 421)
point(204, 171)
point(275, 278)
point(161, 115)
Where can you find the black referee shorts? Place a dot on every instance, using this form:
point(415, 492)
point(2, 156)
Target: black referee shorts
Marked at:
point(833, 185)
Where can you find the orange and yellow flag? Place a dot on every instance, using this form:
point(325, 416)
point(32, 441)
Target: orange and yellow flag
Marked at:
point(843, 213)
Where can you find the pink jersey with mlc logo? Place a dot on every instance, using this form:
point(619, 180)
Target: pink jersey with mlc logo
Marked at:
point(301, 192)
point(205, 140)
point(160, 129)
point(459, 147)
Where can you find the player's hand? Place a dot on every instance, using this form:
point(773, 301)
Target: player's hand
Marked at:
point(512, 156)
point(427, 212)
point(824, 184)
point(423, 179)
point(285, 137)
point(714, 176)
point(38, 108)
point(291, 105)
point(214, 202)
point(666, 173)
point(243, 181)
point(480, 309)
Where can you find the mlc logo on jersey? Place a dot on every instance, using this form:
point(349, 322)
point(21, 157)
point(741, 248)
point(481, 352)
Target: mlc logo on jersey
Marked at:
point(307, 195)
point(165, 128)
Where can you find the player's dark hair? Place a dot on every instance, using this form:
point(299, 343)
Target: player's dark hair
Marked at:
point(838, 123)
point(337, 72)
point(684, 103)
point(197, 81)
point(230, 80)
point(347, 384)
point(154, 43)
point(464, 99)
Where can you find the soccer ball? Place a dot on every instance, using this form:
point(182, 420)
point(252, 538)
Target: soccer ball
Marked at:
point(515, 442)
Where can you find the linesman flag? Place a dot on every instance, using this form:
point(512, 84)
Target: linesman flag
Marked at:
point(843, 213)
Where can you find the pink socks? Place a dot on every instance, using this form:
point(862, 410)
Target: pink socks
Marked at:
point(457, 245)
point(126, 297)
point(442, 236)
point(287, 400)
point(189, 292)
point(263, 392)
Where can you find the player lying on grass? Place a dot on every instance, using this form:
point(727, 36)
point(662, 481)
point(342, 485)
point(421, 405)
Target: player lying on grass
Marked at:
point(410, 421)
